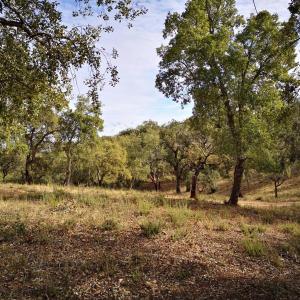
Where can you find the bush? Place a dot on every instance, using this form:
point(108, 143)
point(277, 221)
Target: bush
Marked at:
point(150, 228)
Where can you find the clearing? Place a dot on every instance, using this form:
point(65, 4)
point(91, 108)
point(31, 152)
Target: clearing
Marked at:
point(91, 243)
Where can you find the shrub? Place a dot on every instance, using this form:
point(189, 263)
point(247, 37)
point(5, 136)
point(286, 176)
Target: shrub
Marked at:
point(150, 228)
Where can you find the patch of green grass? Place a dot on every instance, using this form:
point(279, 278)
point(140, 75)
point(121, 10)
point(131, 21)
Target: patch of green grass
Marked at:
point(144, 207)
point(254, 247)
point(291, 228)
point(137, 275)
point(178, 216)
point(220, 225)
point(11, 230)
point(150, 228)
point(252, 230)
point(268, 217)
point(159, 200)
point(109, 225)
point(178, 234)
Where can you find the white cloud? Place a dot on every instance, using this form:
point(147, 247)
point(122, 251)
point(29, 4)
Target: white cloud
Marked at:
point(135, 98)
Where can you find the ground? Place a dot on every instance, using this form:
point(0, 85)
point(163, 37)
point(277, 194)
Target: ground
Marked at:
point(91, 243)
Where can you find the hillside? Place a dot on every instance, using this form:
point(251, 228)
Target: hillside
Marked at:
point(91, 243)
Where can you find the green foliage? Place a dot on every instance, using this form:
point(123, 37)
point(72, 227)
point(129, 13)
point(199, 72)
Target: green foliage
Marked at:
point(45, 49)
point(234, 70)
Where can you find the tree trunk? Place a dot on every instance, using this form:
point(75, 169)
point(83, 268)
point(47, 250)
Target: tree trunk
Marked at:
point(236, 188)
point(188, 186)
point(28, 177)
point(155, 185)
point(178, 191)
point(276, 189)
point(194, 186)
point(69, 169)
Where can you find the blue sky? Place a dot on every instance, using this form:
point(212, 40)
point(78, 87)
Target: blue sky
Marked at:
point(135, 99)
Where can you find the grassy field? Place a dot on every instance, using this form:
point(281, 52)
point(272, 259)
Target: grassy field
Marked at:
point(91, 243)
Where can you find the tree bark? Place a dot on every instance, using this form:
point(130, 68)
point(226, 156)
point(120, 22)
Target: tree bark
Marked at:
point(236, 188)
point(69, 169)
point(28, 176)
point(276, 189)
point(188, 186)
point(178, 190)
point(194, 186)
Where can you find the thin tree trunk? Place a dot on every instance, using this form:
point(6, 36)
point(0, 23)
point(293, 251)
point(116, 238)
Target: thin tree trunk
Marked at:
point(69, 170)
point(178, 190)
point(188, 186)
point(28, 177)
point(194, 186)
point(236, 188)
point(276, 189)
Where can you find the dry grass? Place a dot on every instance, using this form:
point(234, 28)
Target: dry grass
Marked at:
point(91, 243)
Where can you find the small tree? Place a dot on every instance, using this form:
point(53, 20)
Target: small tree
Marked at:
point(108, 161)
point(200, 150)
point(175, 138)
point(40, 125)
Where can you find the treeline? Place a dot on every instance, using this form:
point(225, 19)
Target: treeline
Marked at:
point(242, 76)
point(60, 145)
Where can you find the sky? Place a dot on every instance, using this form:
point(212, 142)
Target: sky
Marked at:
point(135, 99)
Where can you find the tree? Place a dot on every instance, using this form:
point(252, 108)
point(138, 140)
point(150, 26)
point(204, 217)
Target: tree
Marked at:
point(275, 164)
point(77, 126)
point(12, 151)
point(35, 29)
point(295, 14)
point(40, 123)
point(175, 138)
point(200, 150)
point(108, 159)
point(232, 69)
point(153, 152)
point(144, 153)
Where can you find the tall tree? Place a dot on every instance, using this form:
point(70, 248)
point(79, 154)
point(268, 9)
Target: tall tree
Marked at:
point(78, 126)
point(232, 69)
